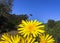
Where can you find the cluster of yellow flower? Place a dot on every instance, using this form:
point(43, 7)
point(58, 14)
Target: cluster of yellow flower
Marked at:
point(28, 30)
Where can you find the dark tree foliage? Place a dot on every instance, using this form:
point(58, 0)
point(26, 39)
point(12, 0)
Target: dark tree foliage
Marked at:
point(9, 22)
point(5, 9)
point(3, 23)
point(51, 23)
point(53, 27)
point(5, 6)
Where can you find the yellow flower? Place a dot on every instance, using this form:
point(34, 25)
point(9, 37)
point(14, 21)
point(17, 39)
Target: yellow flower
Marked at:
point(46, 39)
point(4, 42)
point(10, 39)
point(31, 27)
point(16, 39)
point(35, 42)
point(27, 40)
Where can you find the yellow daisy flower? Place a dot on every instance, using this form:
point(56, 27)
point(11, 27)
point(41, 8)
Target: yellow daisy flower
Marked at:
point(10, 39)
point(31, 27)
point(46, 39)
point(35, 42)
point(28, 40)
point(4, 42)
point(16, 39)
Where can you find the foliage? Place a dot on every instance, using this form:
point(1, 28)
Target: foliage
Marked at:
point(5, 6)
point(9, 22)
point(53, 27)
point(51, 23)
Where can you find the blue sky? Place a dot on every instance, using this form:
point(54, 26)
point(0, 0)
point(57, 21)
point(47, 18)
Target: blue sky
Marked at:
point(42, 10)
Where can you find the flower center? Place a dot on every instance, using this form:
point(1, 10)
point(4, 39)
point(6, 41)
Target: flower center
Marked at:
point(31, 28)
point(43, 41)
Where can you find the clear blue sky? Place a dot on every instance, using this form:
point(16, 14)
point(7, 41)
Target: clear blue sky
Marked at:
point(42, 10)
